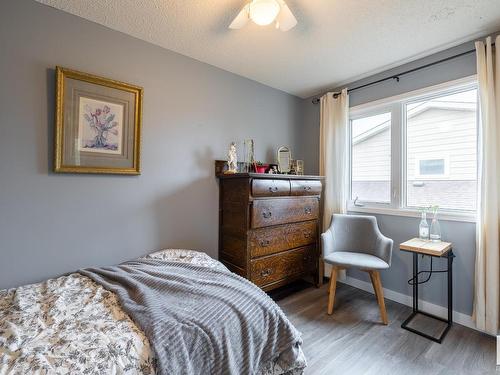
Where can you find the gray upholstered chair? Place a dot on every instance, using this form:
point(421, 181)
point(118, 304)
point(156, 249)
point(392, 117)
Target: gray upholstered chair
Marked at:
point(355, 241)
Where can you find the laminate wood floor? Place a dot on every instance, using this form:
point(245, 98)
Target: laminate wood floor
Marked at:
point(353, 341)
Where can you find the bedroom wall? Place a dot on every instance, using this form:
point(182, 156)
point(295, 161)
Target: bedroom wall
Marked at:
point(400, 229)
point(53, 223)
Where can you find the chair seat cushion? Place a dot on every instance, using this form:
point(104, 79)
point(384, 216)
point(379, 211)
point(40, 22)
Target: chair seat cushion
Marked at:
point(358, 260)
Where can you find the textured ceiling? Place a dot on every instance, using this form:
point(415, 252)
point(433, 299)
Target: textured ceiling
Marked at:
point(336, 41)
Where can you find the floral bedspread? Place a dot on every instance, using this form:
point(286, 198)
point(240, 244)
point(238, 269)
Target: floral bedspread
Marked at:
point(72, 325)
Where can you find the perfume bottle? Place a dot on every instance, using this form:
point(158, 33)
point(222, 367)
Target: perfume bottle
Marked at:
point(435, 232)
point(423, 228)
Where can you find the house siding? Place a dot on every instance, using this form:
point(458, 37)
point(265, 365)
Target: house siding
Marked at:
point(372, 158)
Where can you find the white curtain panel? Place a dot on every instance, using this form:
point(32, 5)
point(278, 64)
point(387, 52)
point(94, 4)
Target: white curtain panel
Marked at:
point(333, 152)
point(333, 149)
point(487, 276)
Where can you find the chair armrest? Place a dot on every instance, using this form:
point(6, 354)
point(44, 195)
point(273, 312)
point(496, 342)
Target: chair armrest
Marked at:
point(384, 248)
point(327, 242)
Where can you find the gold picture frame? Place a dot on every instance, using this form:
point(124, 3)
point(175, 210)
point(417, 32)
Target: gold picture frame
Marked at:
point(97, 125)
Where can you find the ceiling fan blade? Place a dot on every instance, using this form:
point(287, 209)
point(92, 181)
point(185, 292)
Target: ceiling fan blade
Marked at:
point(241, 19)
point(286, 20)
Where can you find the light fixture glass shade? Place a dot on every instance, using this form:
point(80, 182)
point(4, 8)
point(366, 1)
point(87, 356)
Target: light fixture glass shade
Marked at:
point(264, 12)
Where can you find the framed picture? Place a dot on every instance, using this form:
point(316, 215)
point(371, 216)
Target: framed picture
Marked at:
point(98, 124)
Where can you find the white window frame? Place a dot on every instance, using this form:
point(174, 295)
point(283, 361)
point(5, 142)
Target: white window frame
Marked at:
point(397, 106)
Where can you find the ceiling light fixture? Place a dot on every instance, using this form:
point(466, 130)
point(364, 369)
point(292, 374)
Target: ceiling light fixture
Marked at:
point(265, 12)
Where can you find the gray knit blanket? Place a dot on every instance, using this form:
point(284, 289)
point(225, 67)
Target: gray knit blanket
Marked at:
point(201, 320)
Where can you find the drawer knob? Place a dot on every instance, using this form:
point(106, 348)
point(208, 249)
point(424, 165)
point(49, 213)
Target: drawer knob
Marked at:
point(307, 188)
point(264, 243)
point(307, 234)
point(267, 214)
point(273, 189)
point(265, 273)
point(308, 210)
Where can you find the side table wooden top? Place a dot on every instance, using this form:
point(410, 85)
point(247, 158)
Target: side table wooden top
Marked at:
point(427, 247)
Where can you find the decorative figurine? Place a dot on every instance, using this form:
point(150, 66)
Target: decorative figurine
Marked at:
point(273, 169)
point(232, 160)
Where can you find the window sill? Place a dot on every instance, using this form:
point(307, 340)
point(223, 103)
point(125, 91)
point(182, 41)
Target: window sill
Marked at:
point(407, 212)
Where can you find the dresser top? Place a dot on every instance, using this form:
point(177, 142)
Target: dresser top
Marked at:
point(270, 176)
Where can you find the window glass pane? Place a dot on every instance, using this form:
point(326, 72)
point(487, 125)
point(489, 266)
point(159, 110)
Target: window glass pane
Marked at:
point(431, 167)
point(441, 148)
point(371, 158)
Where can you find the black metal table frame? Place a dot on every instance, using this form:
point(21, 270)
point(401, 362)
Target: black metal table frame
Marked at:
point(449, 255)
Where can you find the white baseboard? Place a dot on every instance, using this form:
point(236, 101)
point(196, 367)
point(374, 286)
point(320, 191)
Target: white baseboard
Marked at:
point(460, 318)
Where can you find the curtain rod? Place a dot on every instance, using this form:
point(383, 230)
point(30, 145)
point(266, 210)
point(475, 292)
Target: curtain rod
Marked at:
point(397, 76)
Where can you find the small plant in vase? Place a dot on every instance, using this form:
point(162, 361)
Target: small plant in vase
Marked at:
point(435, 231)
point(260, 167)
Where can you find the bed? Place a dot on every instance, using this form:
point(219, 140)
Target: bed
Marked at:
point(74, 325)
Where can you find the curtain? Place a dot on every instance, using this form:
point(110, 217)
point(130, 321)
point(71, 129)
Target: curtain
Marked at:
point(487, 274)
point(333, 151)
point(333, 138)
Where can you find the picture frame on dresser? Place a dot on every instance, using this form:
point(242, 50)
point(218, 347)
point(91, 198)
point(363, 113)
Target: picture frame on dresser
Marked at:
point(98, 124)
point(269, 227)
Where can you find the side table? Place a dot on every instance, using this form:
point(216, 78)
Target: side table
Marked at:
point(418, 247)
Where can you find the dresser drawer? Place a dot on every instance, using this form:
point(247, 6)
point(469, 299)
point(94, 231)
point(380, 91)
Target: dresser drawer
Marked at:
point(267, 212)
point(281, 266)
point(270, 188)
point(267, 241)
point(305, 187)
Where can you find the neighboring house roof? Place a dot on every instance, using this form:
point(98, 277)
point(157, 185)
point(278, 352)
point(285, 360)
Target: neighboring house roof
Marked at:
point(415, 111)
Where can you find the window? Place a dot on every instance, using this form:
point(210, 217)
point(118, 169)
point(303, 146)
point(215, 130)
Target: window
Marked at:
point(371, 158)
point(416, 150)
point(442, 123)
point(430, 168)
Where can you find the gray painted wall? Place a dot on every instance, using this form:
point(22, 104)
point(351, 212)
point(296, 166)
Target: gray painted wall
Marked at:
point(399, 228)
point(51, 224)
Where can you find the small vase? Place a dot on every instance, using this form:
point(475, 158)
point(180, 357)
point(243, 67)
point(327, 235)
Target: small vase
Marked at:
point(435, 232)
point(261, 168)
point(423, 228)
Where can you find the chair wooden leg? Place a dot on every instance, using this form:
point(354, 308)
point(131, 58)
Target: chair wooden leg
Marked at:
point(373, 283)
point(331, 289)
point(379, 293)
point(339, 268)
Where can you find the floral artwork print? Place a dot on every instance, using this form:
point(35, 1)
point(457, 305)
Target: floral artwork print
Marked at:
point(100, 126)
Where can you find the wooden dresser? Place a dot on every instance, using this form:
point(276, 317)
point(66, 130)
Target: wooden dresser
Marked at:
point(269, 227)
